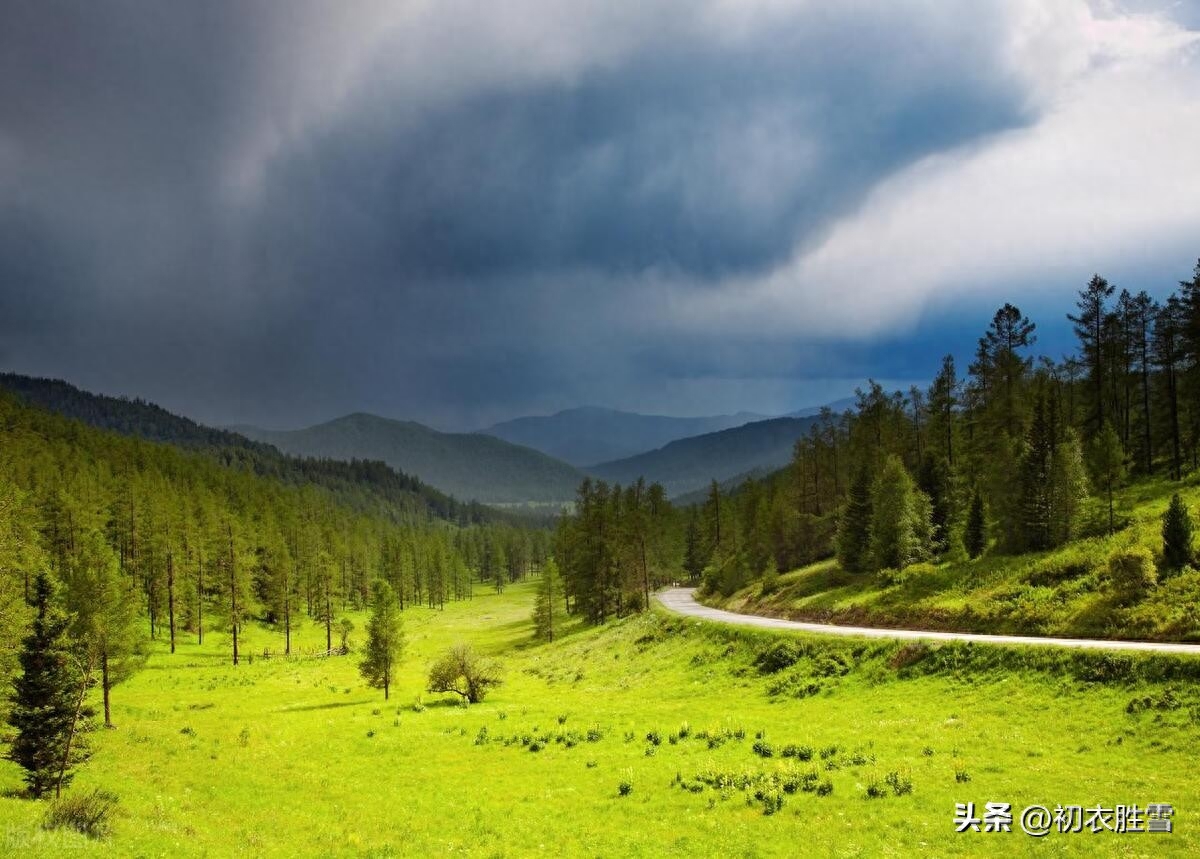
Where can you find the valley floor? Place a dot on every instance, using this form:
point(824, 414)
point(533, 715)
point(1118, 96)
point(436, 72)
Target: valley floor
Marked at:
point(653, 736)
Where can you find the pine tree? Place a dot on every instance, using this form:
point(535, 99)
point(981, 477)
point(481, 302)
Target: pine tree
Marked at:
point(934, 481)
point(1034, 528)
point(693, 562)
point(1108, 465)
point(103, 618)
point(854, 530)
point(975, 533)
point(893, 526)
point(385, 639)
point(48, 709)
point(1177, 535)
point(1090, 328)
point(546, 607)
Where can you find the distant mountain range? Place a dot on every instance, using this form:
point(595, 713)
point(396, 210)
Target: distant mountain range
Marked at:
point(357, 483)
point(517, 462)
point(686, 465)
point(589, 435)
point(470, 466)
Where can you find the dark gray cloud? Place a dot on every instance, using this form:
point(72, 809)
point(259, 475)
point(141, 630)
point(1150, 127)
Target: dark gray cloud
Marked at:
point(277, 212)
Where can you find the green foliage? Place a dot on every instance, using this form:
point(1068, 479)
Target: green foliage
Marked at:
point(975, 532)
point(1177, 535)
point(770, 578)
point(48, 708)
point(1132, 573)
point(547, 606)
point(462, 671)
point(854, 530)
point(1106, 458)
point(899, 519)
point(385, 639)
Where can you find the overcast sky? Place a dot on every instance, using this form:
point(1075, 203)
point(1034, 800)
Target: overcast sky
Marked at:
point(459, 212)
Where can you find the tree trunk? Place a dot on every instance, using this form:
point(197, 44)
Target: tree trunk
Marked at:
point(66, 758)
point(106, 685)
point(171, 597)
point(233, 615)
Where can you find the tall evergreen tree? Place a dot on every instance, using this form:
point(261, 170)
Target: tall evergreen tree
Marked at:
point(854, 529)
point(975, 532)
point(693, 561)
point(1034, 530)
point(48, 709)
point(894, 521)
point(385, 639)
point(1107, 460)
point(547, 604)
point(103, 618)
point(1090, 329)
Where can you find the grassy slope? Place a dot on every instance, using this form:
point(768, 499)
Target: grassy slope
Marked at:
point(1061, 592)
point(282, 760)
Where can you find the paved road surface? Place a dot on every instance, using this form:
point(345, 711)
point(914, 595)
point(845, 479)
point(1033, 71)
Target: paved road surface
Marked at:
point(682, 601)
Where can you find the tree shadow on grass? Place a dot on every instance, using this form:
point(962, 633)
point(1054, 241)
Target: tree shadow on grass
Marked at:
point(332, 705)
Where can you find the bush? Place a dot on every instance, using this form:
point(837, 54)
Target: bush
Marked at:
point(461, 671)
point(1177, 535)
point(1131, 573)
point(781, 655)
point(763, 749)
point(87, 813)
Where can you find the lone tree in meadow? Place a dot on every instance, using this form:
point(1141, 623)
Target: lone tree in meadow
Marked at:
point(48, 699)
point(547, 610)
point(1177, 535)
point(462, 671)
point(975, 532)
point(385, 639)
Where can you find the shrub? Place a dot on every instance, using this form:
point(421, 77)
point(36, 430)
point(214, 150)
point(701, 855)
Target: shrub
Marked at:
point(1177, 535)
point(654, 738)
point(626, 785)
point(87, 813)
point(803, 753)
point(781, 655)
point(461, 671)
point(1131, 573)
point(900, 783)
point(763, 749)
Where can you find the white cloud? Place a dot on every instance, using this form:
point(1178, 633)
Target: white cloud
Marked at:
point(1109, 171)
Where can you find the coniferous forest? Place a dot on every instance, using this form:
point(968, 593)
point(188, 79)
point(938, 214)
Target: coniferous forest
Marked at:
point(1014, 453)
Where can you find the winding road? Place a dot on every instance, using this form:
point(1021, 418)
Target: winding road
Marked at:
point(683, 601)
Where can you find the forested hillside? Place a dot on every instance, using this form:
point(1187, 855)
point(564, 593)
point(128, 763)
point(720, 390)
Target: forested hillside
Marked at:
point(152, 541)
point(467, 465)
point(982, 480)
point(689, 464)
point(360, 481)
point(586, 436)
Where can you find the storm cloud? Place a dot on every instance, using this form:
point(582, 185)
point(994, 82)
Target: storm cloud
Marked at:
point(458, 212)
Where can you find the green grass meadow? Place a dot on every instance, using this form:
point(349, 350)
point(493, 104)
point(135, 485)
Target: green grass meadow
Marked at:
point(299, 757)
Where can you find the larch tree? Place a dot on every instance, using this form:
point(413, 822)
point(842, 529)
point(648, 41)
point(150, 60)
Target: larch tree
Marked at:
point(1107, 461)
point(385, 639)
point(104, 621)
point(547, 607)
